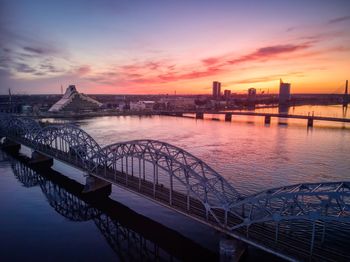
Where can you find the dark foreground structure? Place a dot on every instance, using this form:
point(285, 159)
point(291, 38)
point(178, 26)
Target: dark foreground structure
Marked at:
point(298, 222)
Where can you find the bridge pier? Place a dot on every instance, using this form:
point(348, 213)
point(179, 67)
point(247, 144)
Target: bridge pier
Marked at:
point(199, 115)
point(40, 159)
point(231, 250)
point(10, 145)
point(267, 120)
point(97, 186)
point(310, 122)
point(228, 117)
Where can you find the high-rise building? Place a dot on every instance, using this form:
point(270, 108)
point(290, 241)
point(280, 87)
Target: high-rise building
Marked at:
point(251, 98)
point(227, 94)
point(251, 93)
point(284, 95)
point(216, 89)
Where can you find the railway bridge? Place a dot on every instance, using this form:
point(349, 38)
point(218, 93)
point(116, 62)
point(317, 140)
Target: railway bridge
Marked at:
point(308, 221)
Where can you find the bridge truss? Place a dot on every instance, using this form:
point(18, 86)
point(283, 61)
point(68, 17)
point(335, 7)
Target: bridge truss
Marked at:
point(294, 222)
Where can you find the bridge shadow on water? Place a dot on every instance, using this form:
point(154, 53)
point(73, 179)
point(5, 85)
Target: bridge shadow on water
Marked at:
point(132, 236)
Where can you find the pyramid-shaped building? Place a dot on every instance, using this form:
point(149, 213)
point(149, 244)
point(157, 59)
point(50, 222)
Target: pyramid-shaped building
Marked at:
point(72, 100)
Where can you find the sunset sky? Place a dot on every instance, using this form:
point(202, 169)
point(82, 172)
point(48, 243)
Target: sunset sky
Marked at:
point(159, 47)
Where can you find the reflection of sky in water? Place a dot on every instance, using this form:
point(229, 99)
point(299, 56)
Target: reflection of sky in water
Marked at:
point(326, 111)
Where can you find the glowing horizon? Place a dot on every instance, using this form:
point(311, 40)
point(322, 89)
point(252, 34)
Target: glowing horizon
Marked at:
point(159, 47)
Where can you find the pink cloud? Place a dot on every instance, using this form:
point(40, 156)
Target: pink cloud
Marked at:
point(211, 61)
point(265, 53)
point(159, 72)
point(83, 70)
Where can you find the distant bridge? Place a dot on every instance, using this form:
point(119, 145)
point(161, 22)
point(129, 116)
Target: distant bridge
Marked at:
point(298, 222)
point(228, 116)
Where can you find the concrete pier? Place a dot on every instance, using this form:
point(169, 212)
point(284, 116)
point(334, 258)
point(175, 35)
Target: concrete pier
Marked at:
point(10, 145)
point(231, 250)
point(310, 122)
point(267, 120)
point(228, 117)
point(96, 185)
point(40, 159)
point(199, 115)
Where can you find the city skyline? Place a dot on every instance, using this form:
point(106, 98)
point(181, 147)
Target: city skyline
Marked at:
point(159, 47)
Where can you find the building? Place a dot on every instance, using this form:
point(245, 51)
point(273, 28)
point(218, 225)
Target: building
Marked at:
point(216, 89)
point(178, 102)
point(284, 95)
point(73, 101)
point(142, 105)
point(227, 94)
point(251, 94)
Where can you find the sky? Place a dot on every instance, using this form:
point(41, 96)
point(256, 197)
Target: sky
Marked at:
point(168, 46)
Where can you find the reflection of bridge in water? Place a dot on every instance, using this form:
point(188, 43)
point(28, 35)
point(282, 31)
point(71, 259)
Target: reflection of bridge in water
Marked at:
point(301, 221)
point(128, 233)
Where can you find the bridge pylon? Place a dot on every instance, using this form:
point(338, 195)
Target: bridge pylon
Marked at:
point(40, 159)
point(10, 145)
point(97, 186)
point(231, 250)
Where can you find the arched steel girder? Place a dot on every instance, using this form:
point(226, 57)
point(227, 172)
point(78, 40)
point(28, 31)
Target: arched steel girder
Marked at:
point(15, 127)
point(31, 127)
point(309, 201)
point(4, 123)
point(201, 181)
point(68, 139)
point(26, 128)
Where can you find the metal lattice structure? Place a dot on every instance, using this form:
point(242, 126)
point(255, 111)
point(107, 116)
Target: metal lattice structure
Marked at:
point(68, 140)
point(22, 127)
point(313, 201)
point(175, 178)
point(197, 179)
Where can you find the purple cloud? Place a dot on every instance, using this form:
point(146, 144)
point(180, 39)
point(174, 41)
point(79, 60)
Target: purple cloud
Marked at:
point(339, 19)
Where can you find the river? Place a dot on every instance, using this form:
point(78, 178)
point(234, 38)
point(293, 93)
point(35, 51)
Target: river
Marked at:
point(252, 156)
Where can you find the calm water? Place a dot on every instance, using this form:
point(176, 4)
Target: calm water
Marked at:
point(326, 111)
point(247, 153)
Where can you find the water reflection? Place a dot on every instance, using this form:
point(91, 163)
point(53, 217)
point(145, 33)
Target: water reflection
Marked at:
point(133, 237)
point(317, 110)
point(283, 109)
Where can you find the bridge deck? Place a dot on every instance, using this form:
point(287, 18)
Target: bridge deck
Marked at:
point(278, 115)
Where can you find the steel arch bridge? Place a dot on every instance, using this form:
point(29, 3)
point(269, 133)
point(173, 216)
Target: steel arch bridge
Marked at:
point(301, 214)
